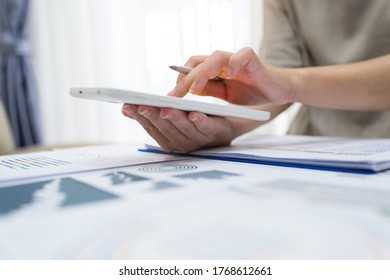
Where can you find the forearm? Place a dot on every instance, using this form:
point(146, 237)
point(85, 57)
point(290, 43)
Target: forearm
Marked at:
point(363, 86)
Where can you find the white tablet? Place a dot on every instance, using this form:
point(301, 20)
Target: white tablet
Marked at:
point(139, 98)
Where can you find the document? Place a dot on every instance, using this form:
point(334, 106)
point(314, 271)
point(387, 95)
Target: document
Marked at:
point(197, 209)
point(339, 154)
point(76, 160)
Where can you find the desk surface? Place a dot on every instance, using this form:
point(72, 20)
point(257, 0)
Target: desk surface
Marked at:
point(196, 209)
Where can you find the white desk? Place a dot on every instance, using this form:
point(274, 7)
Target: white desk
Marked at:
point(196, 209)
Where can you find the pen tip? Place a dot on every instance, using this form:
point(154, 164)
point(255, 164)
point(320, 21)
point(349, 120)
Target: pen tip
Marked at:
point(172, 67)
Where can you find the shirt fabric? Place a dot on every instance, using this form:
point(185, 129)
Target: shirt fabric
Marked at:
point(305, 33)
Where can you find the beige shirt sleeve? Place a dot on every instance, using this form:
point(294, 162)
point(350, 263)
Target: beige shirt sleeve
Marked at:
point(281, 44)
point(304, 33)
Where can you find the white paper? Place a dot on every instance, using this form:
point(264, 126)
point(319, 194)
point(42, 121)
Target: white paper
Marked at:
point(197, 209)
point(65, 161)
point(347, 153)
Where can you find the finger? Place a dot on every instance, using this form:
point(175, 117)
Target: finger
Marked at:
point(202, 122)
point(180, 120)
point(217, 90)
point(217, 64)
point(180, 77)
point(214, 66)
point(131, 111)
point(216, 128)
point(176, 138)
point(206, 68)
point(182, 86)
point(192, 62)
point(244, 58)
point(128, 110)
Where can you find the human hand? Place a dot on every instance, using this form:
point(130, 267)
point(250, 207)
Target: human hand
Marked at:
point(247, 81)
point(175, 130)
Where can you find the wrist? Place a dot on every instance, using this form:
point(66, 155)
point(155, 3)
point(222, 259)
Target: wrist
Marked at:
point(283, 84)
point(299, 79)
point(239, 127)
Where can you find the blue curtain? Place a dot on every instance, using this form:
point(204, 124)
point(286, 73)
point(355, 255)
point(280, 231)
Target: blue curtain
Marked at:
point(18, 89)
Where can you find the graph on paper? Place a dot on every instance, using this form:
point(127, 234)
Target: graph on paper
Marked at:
point(28, 163)
point(46, 196)
point(68, 161)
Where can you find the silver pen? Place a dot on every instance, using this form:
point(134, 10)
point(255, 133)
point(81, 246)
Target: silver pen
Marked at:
point(186, 70)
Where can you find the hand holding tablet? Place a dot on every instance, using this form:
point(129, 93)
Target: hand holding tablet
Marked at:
point(139, 98)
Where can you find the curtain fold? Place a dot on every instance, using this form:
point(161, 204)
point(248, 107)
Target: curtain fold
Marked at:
point(18, 89)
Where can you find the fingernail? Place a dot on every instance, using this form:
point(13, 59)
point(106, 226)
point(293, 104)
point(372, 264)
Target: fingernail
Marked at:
point(165, 115)
point(127, 110)
point(194, 118)
point(144, 112)
point(172, 93)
